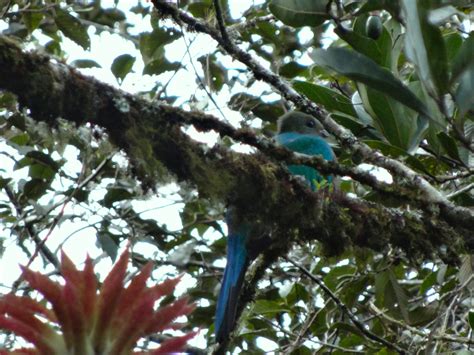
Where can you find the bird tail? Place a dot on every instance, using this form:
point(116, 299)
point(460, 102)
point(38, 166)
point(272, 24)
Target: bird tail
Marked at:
point(237, 263)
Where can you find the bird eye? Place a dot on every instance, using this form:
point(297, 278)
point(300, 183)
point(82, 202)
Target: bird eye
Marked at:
point(311, 124)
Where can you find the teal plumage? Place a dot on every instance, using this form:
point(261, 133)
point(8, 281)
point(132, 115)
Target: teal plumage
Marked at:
point(237, 262)
point(301, 133)
point(308, 145)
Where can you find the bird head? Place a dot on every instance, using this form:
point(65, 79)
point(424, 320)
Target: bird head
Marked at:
point(299, 122)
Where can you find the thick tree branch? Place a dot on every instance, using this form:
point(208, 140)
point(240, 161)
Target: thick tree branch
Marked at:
point(411, 179)
point(151, 135)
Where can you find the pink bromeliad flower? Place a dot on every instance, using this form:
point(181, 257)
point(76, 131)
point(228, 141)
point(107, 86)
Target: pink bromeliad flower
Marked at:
point(83, 318)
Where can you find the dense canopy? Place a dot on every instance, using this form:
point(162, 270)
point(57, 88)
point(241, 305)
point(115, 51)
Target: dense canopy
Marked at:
point(184, 129)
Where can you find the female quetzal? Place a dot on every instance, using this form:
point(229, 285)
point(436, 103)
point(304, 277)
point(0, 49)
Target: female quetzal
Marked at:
point(301, 133)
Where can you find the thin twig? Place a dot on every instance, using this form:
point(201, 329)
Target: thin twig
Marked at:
point(48, 254)
point(111, 30)
point(40, 243)
point(461, 191)
point(316, 341)
point(346, 311)
point(165, 86)
point(409, 177)
point(242, 26)
point(301, 334)
point(448, 338)
point(198, 78)
point(80, 186)
point(220, 21)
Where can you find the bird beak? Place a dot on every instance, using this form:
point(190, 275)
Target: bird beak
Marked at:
point(324, 133)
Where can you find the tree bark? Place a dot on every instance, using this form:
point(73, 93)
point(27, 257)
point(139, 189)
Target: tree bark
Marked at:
point(260, 188)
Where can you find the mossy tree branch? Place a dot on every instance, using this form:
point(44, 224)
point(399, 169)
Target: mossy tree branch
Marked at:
point(406, 176)
point(150, 134)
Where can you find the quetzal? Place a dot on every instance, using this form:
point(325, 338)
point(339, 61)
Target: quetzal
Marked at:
point(301, 133)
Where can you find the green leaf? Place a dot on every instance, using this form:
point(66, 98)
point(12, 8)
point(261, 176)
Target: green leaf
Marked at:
point(35, 188)
point(464, 57)
point(464, 199)
point(362, 115)
point(422, 315)
point(471, 319)
point(109, 243)
point(448, 286)
point(269, 307)
point(8, 101)
point(159, 66)
point(201, 9)
point(4, 182)
point(266, 111)
point(466, 270)
point(464, 93)
point(139, 9)
point(338, 275)
point(72, 28)
point(297, 293)
point(330, 99)
point(152, 43)
point(425, 47)
point(348, 340)
point(400, 126)
point(215, 74)
point(454, 42)
point(356, 127)
point(20, 139)
point(441, 274)
point(80, 195)
point(390, 294)
point(40, 171)
point(381, 281)
point(428, 282)
point(109, 17)
point(292, 69)
point(298, 13)
point(320, 324)
point(449, 145)
point(43, 159)
point(32, 19)
point(85, 63)
point(122, 65)
point(363, 69)
point(428, 164)
point(353, 289)
point(400, 296)
point(114, 195)
point(153, 52)
point(54, 48)
point(379, 50)
point(386, 148)
point(364, 45)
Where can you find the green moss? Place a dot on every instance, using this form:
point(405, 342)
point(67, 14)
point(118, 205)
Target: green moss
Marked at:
point(141, 152)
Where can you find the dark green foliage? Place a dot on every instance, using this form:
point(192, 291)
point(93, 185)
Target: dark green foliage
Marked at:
point(397, 74)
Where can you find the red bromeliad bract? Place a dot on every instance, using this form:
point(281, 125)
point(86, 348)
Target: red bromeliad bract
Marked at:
point(85, 318)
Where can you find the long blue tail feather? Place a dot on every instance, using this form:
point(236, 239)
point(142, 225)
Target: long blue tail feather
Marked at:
point(237, 263)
